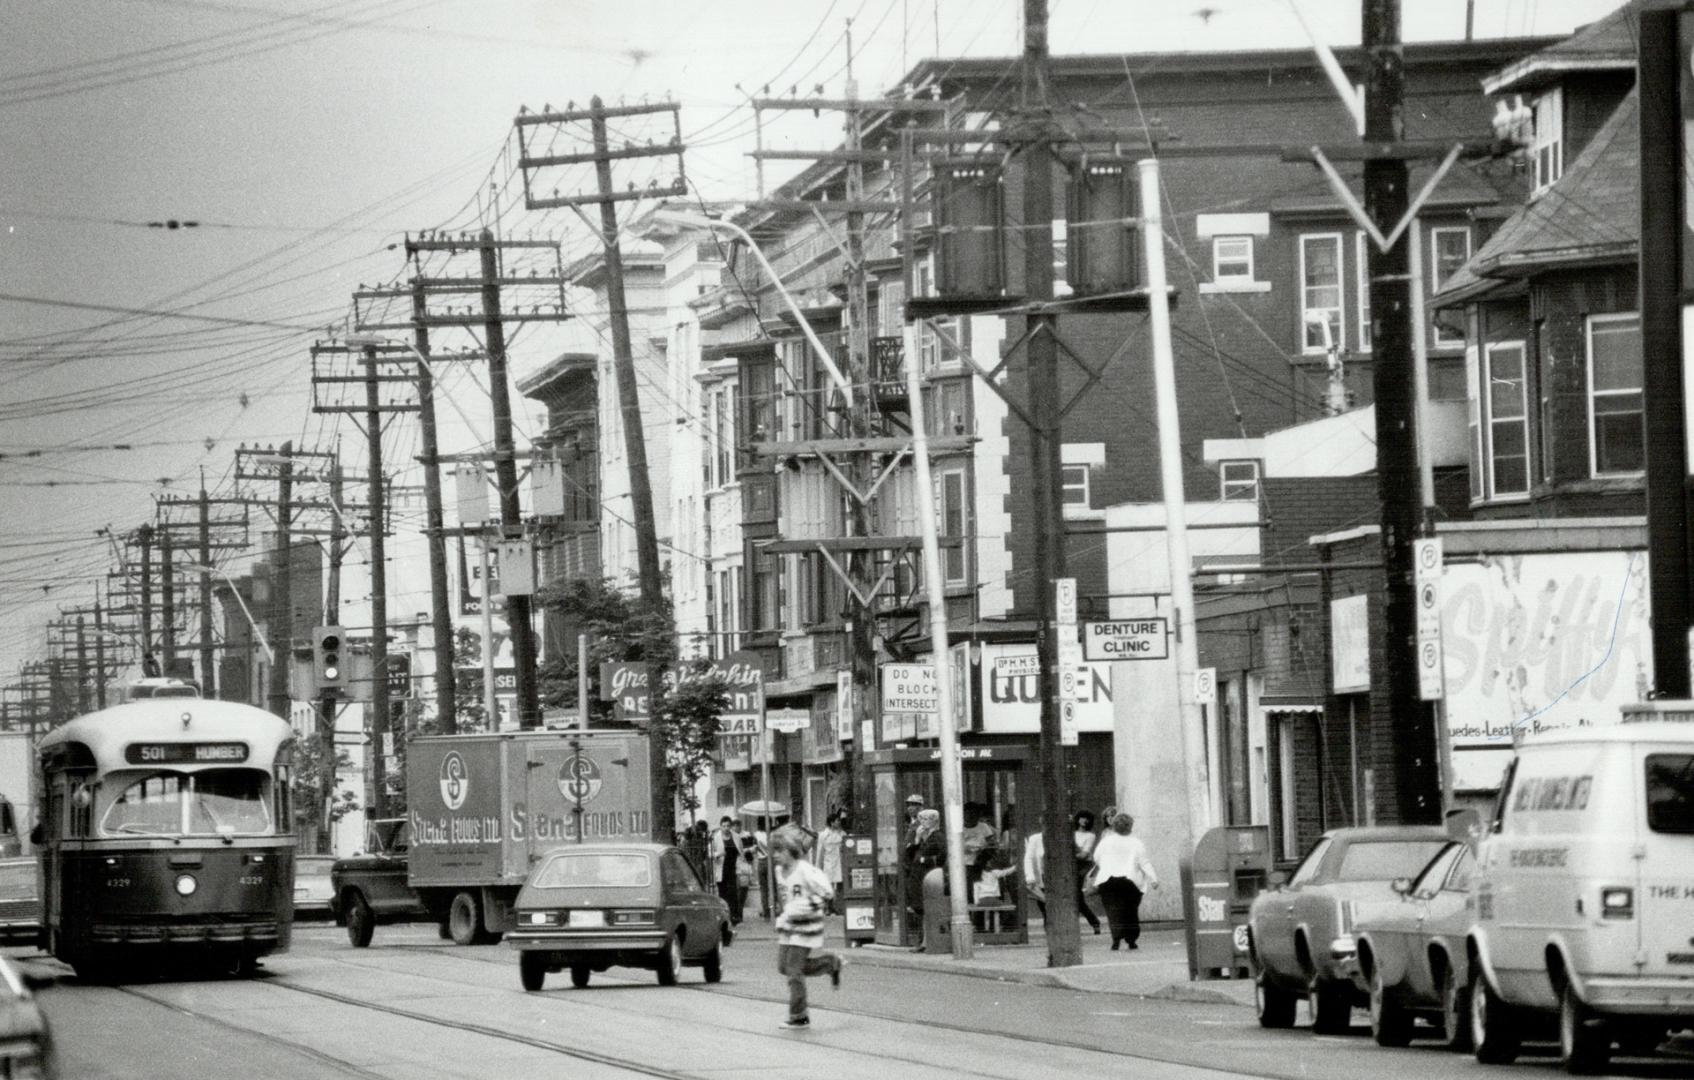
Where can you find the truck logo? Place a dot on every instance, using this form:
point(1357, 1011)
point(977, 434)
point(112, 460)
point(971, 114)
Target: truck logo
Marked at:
point(579, 779)
point(455, 780)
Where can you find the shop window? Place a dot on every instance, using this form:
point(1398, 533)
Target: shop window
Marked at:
point(1616, 436)
point(1449, 249)
point(1547, 150)
point(1507, 427)
point(1232, 258)
point(1320, 293)
point(1239, 481)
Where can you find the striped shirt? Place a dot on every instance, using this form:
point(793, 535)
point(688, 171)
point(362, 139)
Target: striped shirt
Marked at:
point(803, 890)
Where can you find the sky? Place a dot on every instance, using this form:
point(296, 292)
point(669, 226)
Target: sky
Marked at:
point(307, 138)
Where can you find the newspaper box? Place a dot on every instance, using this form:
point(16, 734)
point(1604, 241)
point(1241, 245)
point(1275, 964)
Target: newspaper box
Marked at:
point(1231, 865)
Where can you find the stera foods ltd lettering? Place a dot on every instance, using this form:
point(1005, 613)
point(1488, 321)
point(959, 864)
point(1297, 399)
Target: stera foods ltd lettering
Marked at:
point(596, 824)
point(455, 829)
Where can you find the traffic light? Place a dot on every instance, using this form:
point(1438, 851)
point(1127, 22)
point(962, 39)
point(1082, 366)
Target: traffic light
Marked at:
point(329, 673)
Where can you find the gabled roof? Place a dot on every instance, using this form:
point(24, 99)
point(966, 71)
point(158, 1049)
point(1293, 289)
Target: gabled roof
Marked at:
point(1590, 217)
point(1606, 44)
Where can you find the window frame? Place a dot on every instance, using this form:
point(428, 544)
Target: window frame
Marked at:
point(1225, 483)
point(1640, 391)
point(955, 562)
point(1490, 422)
point(1361, 274)
point(1219, 259)
point(1549, 137)
point(1066, 486)
point(1340, 322)
point(1435, 233)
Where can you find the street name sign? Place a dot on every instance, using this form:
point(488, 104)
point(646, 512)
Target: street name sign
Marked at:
point(788, 721)
point(1126, 639)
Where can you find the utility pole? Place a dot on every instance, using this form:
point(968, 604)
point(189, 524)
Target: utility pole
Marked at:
point(1064, 940)
point(144, 537)
point(441, 622)
point(518, 618)
point(167, 602)
point(327, 711)
point(99, 654)
point(1665, 271)
point(1411, 729)
point(281, 616)
point(208, 660)
point(659, 646)
point(81, 666)
point(379, 591)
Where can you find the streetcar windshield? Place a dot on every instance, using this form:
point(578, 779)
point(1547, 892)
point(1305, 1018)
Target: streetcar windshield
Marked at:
point(215, 802)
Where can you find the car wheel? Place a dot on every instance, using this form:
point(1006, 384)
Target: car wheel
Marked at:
point(669, 961)
point(1455, 1012)
point(361, 921)
point(1274, 1005)
point(464, 919)
point(532, 970)
point(1493, 1024)
point(579, 975)
point(712, 964)
point(1585, 1042)
point(1390, 1022)
point(1331, 1007)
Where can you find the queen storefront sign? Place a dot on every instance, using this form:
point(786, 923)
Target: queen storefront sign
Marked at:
point(626, 685)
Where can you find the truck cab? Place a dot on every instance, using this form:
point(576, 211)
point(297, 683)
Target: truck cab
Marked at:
point(370, 885)
point(1585, 893)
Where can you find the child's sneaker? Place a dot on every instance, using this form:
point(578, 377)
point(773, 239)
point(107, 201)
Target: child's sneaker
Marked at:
point(835, 973)
point(802, 1022)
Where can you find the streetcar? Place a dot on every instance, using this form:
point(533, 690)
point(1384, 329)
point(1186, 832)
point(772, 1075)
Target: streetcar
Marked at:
point(166, 836)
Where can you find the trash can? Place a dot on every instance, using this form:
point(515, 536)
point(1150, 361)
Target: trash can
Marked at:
point(937, 913)
point(1230, 866)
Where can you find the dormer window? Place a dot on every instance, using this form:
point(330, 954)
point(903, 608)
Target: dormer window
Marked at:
point(1547, 150)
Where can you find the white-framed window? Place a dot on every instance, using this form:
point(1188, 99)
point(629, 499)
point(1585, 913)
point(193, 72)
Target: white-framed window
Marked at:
point(1232, 258)
point(932, 351)
point(1075, 485)
point(1507, 427)
point(1547, 149)
point(1077, 464)
point(1449, 249)
point(717, 450)
point(1320, 292)
point(951, 513)
point(1616, 438)
point(1473, 418)
point(1361, 255)
point(1238, 481)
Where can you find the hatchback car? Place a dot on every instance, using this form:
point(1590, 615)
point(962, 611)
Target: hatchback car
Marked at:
point(593, 907)
point(1300, 934)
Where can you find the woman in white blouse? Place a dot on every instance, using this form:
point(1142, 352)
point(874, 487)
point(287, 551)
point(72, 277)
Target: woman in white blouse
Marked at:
point(1122, 872)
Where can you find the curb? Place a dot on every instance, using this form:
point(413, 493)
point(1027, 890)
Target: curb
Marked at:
point(1057, 979)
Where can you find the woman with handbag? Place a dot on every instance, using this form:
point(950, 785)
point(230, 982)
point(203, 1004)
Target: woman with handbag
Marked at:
point(1085, 840)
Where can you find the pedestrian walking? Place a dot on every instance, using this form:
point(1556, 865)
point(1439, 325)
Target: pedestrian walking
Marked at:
point(1124, 874)
point(726, 867)
point(804, 893)
point(761, 864)
point(1034, 872)
point(1085, 838)
point(829, 855)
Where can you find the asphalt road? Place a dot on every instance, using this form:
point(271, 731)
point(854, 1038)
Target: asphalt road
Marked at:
point(412, 1007)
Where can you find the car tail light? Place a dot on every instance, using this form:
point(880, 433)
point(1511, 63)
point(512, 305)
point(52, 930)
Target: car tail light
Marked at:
point(541, 918)
point(634, 918)
point(1617, 902)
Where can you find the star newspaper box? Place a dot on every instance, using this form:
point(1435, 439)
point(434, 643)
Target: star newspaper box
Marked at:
point(1231, 865)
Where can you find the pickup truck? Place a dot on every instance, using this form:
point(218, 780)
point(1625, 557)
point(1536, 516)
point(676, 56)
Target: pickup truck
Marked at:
point(370, 886)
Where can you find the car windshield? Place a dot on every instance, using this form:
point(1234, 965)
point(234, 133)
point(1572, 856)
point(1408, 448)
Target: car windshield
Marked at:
point(1670, 793)
point(214, 802)
point(602, 870)
point(1385, 860)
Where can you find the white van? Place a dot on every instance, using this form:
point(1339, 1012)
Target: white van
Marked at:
point(1585, 894)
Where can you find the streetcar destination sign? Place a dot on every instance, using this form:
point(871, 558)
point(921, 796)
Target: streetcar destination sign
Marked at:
point(1126, 639)
point(215, 753)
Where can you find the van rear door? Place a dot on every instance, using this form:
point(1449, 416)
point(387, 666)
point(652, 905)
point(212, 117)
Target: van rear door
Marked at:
point(1665, 899)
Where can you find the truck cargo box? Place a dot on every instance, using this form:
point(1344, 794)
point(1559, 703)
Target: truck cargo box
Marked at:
point(483, 807)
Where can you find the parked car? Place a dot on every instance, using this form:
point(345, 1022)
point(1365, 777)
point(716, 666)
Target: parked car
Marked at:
point(1300, 933)
point(20, 900)
point(27, 1048)
point(371, 884)
point(313, 887)
point(1411, 955)
point(592, 907)
point(1585, 894)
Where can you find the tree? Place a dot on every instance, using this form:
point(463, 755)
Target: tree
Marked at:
point(687, 721)
point(317, 803)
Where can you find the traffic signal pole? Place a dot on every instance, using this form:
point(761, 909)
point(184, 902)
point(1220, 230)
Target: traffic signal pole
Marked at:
point(281, 614)
point(378, 723)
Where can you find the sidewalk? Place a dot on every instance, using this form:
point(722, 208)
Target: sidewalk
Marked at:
point(1158, 969)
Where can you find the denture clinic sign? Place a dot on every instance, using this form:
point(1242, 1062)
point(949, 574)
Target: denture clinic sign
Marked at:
point(627, 684)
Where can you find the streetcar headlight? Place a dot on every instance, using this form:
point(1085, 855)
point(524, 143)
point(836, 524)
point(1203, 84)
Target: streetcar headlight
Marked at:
point(186, 884)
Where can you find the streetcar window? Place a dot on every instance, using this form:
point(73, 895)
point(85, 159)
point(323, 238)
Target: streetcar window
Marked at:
point(217, 801)
point(151, 806)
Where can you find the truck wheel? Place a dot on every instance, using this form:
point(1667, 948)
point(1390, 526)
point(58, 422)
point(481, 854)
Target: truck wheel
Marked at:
point(361, 921)
point(1455, 1012)
point(669, 961)
point(1331, 1006)
point(1390, 1023)
point(1585, 1042)
point(532, 970)
point(464, 919)
point(712, 965)
point(1274, 1005)
point(579, 975)
point(1493, 1024)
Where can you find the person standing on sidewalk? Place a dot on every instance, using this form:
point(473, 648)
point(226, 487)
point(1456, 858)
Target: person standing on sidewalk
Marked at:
point(1034, 872)
point(803, 893)
point(1085, 838)
point(726, 866)
point(829, 854)
point(1123, 873)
